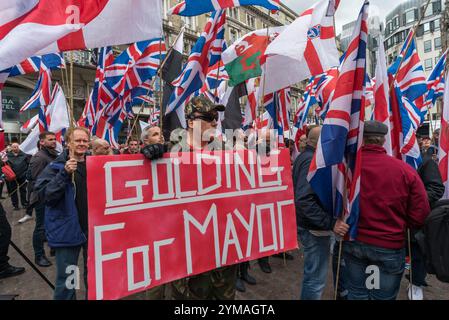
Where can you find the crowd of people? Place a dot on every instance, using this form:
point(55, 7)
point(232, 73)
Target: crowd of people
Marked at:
point(393, 198)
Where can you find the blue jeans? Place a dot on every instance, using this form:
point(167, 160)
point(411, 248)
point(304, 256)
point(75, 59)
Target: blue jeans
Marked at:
point(372, 273)
point(39, 231)
point(65, 257)
point(316, 264)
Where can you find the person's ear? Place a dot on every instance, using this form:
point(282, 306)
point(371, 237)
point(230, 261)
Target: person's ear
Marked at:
point(190, 123)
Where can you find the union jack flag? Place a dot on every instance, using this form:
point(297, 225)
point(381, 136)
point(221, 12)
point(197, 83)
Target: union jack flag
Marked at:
point(325, 91)
point(135, 65)
point(41, 95)
point(206, 52)
point(435, 82)
point(406, 100)
point(31, 65)
point(264, 121)
point(307, 101)
point(195, 7)
point(335, 169)
point(272, 105)
point(406, 119)
point(100, 95)
point(111, 120)
point(143, 94)
point(155, 115)
point(410, 77)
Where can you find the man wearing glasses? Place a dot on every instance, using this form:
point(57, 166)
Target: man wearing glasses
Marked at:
point(63, 186)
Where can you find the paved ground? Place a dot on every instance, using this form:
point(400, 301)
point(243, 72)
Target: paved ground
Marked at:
point(282, 284)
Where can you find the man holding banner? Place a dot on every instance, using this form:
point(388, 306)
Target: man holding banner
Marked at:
point(219, 284)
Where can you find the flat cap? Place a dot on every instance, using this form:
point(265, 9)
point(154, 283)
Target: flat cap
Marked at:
point(203, 105)
point(375, 128)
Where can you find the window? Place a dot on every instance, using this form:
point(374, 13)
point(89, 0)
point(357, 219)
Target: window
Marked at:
point(410, 16)
point(428, 64)
point(395, 22)
point(426, 27)
point(234, 13)
point(437, 43)
point(190, 22)
point(429, 10)
point(233, 34)
point(436, 24)
point(389, 28)
point(250, 21)
point(436, 7)
point(427, 45)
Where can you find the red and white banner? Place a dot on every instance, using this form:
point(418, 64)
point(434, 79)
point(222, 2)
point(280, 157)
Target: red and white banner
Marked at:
point(152, 222)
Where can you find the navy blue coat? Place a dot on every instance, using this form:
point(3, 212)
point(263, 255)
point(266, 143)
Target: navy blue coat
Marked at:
point(55, 186)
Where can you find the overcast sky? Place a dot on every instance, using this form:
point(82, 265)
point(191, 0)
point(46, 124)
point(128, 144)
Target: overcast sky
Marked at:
point(349, 9)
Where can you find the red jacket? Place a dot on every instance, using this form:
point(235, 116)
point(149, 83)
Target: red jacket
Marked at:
point(392, 198)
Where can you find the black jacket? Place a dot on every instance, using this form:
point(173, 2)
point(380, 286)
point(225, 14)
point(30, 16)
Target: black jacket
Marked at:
point(19, 163)
point(310, 213)
point(431, 177)
point(37, 164)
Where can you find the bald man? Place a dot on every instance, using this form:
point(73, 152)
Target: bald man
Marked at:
point(101, 147)
point(315, 224)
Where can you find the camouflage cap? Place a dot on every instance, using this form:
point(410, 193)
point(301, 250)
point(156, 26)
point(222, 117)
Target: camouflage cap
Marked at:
point(202, 105)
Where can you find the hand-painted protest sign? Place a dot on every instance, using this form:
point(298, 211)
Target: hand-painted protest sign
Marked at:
point(152, 222)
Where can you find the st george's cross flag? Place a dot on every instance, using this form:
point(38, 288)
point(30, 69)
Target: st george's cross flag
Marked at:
point(197, 7)
point(306, 48)
point(36, 27)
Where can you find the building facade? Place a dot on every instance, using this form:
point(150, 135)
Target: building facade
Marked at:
point(429, 40)
point(375, 30)
point(240, 20)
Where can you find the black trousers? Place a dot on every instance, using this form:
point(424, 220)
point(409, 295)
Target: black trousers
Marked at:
point(12, 189)
point(5, 238)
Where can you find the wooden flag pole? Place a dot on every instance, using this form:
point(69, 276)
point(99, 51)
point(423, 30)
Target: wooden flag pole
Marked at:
point(262, 98)
point(71, 90)
point(161, 91)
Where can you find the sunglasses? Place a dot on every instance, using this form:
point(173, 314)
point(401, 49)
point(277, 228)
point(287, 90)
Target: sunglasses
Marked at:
point(208, 117)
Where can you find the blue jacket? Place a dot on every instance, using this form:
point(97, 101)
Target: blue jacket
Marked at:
point(54, 185)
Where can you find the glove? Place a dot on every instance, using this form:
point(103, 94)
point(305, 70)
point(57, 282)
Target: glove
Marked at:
point(154, 151)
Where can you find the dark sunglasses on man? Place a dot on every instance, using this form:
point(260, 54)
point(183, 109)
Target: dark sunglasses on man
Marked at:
point(208, 117)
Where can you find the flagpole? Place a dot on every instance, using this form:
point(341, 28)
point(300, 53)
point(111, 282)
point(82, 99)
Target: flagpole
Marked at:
point(71, 89)
point(262, 99)
point(160, 89)
point(161, 66)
